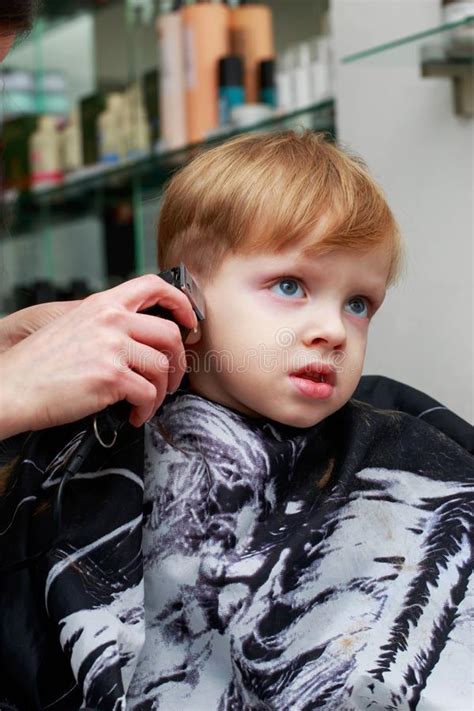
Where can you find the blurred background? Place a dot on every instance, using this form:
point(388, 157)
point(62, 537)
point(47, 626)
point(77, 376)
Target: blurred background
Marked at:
point(105, 99)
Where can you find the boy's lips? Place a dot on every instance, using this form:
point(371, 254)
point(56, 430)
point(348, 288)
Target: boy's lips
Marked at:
point(318, 372)
point(315, 380)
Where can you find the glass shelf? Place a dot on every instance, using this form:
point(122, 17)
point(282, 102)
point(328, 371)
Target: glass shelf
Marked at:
point(377, 49)
point(445, 51)
point(78, 191)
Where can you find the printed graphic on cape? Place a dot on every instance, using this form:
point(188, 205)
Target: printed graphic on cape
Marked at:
point(257, 598)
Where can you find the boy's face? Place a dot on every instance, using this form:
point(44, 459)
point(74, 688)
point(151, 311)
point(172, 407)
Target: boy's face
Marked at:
point(270, 315)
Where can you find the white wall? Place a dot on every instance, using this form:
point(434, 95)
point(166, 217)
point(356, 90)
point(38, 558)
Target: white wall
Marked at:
point(118, 47)
point(295, 20)
point(422, 155)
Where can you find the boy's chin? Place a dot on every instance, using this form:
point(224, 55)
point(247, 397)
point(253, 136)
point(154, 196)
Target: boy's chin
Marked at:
point(297, 418)
point(300, 422)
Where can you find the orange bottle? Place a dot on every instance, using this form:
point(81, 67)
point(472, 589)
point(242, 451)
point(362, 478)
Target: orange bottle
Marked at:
point(252, 39)
point(206, 41)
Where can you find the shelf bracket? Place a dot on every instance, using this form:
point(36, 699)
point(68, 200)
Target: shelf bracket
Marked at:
point(462, 74)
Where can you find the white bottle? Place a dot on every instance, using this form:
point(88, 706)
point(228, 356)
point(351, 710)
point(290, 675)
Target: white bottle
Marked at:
point(71, 144)
point(285, 79)
point(111, 130)
point(302, 76)
point(326, 52)
point(326, 57)
point(137, 130)
point(170, 31)
point(320, 70)
point(45, 154)
point(283, 86)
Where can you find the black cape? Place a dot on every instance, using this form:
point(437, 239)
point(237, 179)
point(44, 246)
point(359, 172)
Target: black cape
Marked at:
point(237, 563)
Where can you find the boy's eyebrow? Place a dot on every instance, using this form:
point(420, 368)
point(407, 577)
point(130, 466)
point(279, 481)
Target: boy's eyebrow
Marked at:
point(375, 284)
point(309, 264)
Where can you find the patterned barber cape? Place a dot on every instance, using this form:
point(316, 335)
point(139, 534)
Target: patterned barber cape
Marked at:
point(299, 569)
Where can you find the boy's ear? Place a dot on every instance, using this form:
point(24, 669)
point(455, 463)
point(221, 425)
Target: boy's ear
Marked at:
point(194, 336)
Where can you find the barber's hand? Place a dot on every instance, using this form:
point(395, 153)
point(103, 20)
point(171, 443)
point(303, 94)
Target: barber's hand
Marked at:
point(94, 354)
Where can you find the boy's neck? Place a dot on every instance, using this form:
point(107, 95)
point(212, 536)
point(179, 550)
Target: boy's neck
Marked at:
point(289, 430)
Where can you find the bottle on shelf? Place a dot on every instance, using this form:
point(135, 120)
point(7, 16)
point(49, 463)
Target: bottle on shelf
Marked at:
point(325, 54)
point(305, 74)
point(251, 27)
point(302, 76)
point(136, 127)
point(285, 81)
point(206, 41)
point(320, 69)
point(90, 108)
point(172, 85)
point(45, 154)
point(231, 87)
point(267, 85)
point(71, 143)
point(151, 96)
point(111, 130)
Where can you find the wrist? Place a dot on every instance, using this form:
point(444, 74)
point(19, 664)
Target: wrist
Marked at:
point(14, 417)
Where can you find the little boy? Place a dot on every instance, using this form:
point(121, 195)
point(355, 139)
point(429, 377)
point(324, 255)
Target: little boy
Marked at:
point(298, 548)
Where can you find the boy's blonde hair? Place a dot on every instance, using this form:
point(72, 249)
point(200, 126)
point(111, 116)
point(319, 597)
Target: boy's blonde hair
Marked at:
point(262, 192)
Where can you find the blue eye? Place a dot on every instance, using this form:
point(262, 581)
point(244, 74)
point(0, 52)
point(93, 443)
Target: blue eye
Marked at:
point(288, 288)
point(359, 306)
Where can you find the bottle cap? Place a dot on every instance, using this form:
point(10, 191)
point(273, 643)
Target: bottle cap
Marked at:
point(230, 71)
point(267, 74)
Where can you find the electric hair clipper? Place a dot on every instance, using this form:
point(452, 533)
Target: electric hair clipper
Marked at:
point(182, 280)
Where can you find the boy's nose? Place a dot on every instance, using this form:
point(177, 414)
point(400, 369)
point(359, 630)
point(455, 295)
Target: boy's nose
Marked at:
point(326, 328)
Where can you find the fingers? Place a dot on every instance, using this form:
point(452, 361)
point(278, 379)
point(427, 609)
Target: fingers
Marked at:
point(145, 291)
point(153, 367)
point(143, 396)
point(164, 336)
